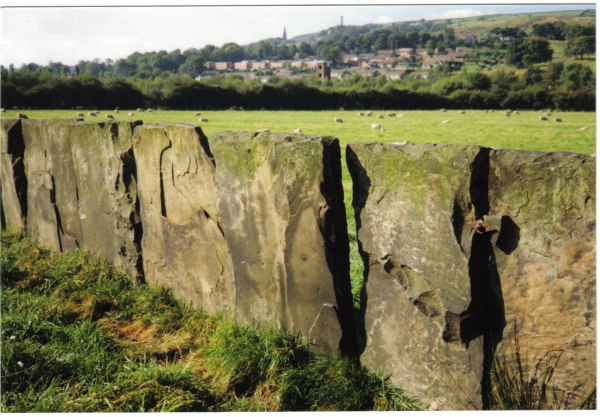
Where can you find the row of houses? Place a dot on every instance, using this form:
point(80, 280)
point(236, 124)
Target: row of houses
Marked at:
point(382, 59)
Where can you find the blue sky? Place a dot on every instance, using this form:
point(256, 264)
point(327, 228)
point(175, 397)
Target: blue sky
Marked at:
point(68, 35)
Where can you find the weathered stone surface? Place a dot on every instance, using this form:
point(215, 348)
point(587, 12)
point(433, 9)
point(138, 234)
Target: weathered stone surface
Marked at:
point(284, 220)
point(413, 204)
point(105, 169)
point(545, 253)
point(12, 175)
point(52, 213)
point(183, 244)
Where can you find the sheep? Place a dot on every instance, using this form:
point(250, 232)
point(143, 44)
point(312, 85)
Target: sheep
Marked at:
point(404, 142)
point(461, 112)
point(379, 116)
point(492, 110)
point(297, 130)
point(443, 110)
point(109, 116)
point(361, 113)
point(376, 126)
point(391, 115)
point(149, 110)
point(79, 115)
point(548, 114)
point(21, 116)
point(116, 111)
point(263, 130)
point(337, 120)
point(197, 114)
point(445, 121)
point(557, 119)
point(584, 128)
point(507, 113)
point(400, 116)
point(2, 110)
point(203, 120)
point(542, 118)
point(130, 114)
point(515, 112)
point(140, 109)
point(369, 113)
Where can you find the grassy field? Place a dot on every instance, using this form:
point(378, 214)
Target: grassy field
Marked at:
point(522, 131)
point(77, 336)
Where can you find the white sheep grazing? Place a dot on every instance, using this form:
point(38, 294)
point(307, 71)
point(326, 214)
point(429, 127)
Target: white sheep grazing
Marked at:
point(376, 126)
point(391, 115)
point(404, 142)
point(197, 114)
point(584, 128)
point(379, 116)
point(109, 116)
point(297, 130)
point(361, 113)
point(445, 121)
point(79, 115)
point(515, 112)
point(400, 116)
point(542, 118)
point(338, 120)
point(461, 112)
point(2, 110)
point(369, 113)
point(443, 110)
point(140, 109)
point(203, 120)
point(130, 114)
point(507, 113)
point(150, 110)
point(91, 113)
point(116, 111)
point(557, 119)
point(21, 116)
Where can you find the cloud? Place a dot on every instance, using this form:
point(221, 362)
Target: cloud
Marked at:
point(384, 19)
point(460, 13)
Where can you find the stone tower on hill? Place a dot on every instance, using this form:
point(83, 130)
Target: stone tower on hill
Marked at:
point(284, 34)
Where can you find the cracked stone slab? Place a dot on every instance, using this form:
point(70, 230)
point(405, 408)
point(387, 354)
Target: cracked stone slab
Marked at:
point(52, 194)
point(284, 220)
point(413, 204)
point(12, 176)
point(105, 169)
point(183, 243)
point(546, 256)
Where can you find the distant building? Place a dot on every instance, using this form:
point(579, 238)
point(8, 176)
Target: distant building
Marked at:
point(223, 66)
point(405, 51)
point(243, 66)
point(261, 65)
point(284, 37)
point(386, 52)
point(507, 38)
point(420, 75)
point(324, 70)
point(209, 64)
point(421, 51)
point(394, 75)
point(340, 73)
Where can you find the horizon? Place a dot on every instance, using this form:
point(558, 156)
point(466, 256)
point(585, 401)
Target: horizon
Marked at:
point(69, 35)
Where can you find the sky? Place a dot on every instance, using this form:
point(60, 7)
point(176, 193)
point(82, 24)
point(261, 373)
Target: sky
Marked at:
point(71, 34)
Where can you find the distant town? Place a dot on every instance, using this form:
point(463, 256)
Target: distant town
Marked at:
point(394, 64)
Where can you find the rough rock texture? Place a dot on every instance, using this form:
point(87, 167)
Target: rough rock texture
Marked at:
point(12, 176)
point(105, 169)
point(412, 205)
point(183, 244)
point(284, 221)
point(545, 255)
point(52, 198)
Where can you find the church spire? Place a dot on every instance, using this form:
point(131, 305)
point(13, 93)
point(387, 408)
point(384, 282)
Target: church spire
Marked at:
point(284, 34)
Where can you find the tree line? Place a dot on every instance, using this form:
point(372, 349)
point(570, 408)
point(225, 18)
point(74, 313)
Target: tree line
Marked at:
point(556, 85)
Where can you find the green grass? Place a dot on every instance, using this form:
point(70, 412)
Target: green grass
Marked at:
point(494, 130)
point(78, 336)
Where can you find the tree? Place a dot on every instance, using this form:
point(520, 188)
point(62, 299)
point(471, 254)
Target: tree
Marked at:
point(193, 66)
point(526, 52)
point(583, 45)
point(449, 37)
point(328, 53)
